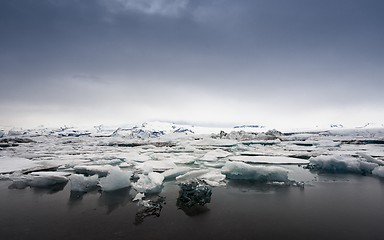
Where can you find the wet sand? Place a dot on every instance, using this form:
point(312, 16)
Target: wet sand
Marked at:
point(334, 207)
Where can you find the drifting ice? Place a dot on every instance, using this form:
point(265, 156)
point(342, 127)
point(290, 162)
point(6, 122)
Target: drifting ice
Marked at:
point(116, 179)
point(240, 170)
point(80, 183)
point(378, 171)
point(150, 183)
point(341, 164)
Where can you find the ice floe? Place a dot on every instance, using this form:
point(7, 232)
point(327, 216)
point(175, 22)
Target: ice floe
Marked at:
point(171, 174)
point(81, 183)
point(13, 164)
point(157, 152)
point(214, 155)
point(157, 165)
point(240, 170)
point(341, 164)
point(116, 179)
point(101, 170)
point(281, 160)
point(150, 183)
point(378, 171)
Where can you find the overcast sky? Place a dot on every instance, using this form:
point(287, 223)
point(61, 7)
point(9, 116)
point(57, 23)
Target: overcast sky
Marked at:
point(225, 62)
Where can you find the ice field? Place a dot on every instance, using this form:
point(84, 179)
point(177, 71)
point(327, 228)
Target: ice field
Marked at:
point(143, 157)
point(243, 182)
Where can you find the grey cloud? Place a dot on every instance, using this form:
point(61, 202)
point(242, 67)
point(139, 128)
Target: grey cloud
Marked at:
point(168, 8)
point(148, 53)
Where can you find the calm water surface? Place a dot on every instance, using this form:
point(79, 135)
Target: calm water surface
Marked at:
point(334, 207)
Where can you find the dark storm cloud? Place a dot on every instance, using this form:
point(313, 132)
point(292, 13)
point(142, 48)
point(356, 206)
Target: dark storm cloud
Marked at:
point(81, 53)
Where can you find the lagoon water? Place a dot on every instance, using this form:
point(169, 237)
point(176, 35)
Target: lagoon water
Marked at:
point(333, 207)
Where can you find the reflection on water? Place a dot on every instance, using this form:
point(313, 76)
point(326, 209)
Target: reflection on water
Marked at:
point(331, 208)
point(194, 210)
point(114, 199)
point(250, 185)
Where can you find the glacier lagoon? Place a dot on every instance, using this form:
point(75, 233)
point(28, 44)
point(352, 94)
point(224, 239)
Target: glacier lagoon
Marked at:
point(71, 183)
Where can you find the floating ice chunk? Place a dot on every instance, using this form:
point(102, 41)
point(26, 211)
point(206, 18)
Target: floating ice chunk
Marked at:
point(50, 174)
point(192, 193)
point(371, 159)
point(240, 170)
point(139, 197)
point(150, 183)
point(80, 183)
point(281, 160)
point(192, 175)
point(326, 143)
point(173, 173)
point(137, 157)
point(340, 164)
point(378, 171)
point(126, 165)
point(184, 159)
point(215, 142)
point(46, 181)
point(214, 155)
point(102, 171)
point(157, 165)
point(116, 179)
point(214, 178)
point(13, 164)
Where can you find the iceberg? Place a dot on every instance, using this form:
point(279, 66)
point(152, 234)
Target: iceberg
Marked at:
point(47, 181)
point(101, 170)
point(214, 155)
point(378, 171)
point(281, 160)
point(139, 197)
point(175, 172)
point(212, 177)
point(56, 180)
point(192, 175)
point(150, 183)
point(157, 165)
point(243, 171)
point(193, 193)
point(116, 179)
point(341, 164)
point(13, 164)
point(81, 183)
point(371, 159)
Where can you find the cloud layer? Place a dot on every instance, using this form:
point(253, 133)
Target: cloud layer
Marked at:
point(219, 61)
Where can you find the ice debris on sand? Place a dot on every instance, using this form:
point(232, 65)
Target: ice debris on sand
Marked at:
point(116, 179)
point(243, 171)
point(81, 183)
